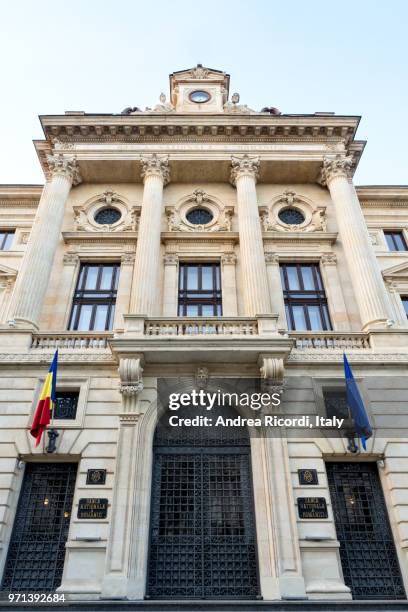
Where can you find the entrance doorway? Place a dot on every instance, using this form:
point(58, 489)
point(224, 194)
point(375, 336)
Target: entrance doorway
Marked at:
point(36, 553)
point(367, 550)
point(202, 534)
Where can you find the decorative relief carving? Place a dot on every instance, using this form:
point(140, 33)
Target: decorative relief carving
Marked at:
point(202, 377)
point(271, 258)
point(131, 383)
point(24, 237)
point(221, 214)
point(127, 258)
point(228, 259)
point(244, 165)
point(84, 214)
point(314, 216)
point(156, 165)
point(70, 259)
point(171, 259)
point(328, 259)
point(65, 165)
point(335, 166)
point(272, 369)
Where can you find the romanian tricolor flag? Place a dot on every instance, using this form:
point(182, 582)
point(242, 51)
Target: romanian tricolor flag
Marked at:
point(42, 416)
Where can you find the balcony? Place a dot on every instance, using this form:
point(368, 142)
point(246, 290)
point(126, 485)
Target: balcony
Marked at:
point(330, 341)
point(75, 341)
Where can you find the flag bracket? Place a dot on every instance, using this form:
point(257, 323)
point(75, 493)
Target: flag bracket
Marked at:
point(352, 447)
point(52, 443)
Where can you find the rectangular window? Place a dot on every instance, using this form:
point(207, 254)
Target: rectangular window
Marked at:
point(199, 290)
point(6, 239)
point(404, 300)
point(93, 307)
point(66, 405)
point(395, 241)
point(305, 298)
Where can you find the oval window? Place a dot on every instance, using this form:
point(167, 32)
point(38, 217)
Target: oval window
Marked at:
point(199, 216)
point(291, 216)
point(107, 216)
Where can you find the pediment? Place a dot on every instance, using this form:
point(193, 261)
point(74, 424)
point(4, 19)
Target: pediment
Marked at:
point(6, 272)
point(400, 271)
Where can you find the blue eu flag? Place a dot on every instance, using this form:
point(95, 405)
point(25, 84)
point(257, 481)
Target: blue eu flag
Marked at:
point(356, 405)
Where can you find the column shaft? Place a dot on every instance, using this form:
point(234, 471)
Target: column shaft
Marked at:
point(275, 288)
point(334, 292)
point(368, 285)
point(170, 285)
point(33, 278)
point(145, 284)
point(254, 278)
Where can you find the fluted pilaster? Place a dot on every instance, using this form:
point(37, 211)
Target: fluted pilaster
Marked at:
point(155, 172)
point(254, 277)
point(369, 290)
point(33, 278)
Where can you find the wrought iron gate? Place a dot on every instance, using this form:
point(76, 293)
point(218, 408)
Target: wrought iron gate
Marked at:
point(202, 539)
point(367, 550)
point(37, 547)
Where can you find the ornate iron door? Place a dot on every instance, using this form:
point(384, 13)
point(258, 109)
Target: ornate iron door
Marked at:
point(202, 542)
point(367, 550)
point(37, 547)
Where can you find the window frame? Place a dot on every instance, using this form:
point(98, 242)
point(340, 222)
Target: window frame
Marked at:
point(8, 234)
point(92, 297)
point(391, 235)
point(184, 301)
point(305, 297)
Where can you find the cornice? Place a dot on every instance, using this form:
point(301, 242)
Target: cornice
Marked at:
point(99, 237)
point(299, 237)
point(20, 195)
point(200, 237)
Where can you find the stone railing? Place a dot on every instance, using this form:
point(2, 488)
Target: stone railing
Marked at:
point(201, 326)
point(330, 340)
point(71, 340)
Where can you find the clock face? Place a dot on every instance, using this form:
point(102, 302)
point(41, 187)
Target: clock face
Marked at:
point(199, 96)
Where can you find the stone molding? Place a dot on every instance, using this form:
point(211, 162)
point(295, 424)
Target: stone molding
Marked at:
point(156, 165)
point(340, 165)
point(66, 166)
point(271, 368)
point(244, 165)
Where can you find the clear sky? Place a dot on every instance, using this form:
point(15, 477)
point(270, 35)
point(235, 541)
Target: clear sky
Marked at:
point(350, 57)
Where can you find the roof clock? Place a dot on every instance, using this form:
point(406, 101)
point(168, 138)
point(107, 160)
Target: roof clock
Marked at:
point(199, 90)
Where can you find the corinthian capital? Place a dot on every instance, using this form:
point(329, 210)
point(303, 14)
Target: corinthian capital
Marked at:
point(244, 165)
point(335, 166)
point(65, 165)
point(156, 165)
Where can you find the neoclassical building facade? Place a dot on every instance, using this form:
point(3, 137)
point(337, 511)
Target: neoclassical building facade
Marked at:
point(192, 241)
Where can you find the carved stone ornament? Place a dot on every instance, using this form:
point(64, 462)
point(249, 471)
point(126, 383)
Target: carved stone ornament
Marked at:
point(228, 259)
point(157, 165)
point(199, 72)
point(202, 376)
point(221, 214)
point(163, 107)
point(272, 369)
point(86, 214)
point(244, 165)
point(328, 259)
point(131, 383)
point(271, 258)
point(314, 217)
point(64, 165)
point(335, 166)
point(171, 259)
point(238, 109)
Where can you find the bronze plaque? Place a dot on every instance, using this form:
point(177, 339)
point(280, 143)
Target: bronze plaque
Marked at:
point(92, 508)
point(308, 477)
point(96, 477)
point(312, 507)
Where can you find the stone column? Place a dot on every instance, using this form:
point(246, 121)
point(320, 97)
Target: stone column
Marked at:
point(124, 289)
point(369, 290)
point(254, 278)
point(275, 288)
point(170, 285)
point(6, 286)
point(145, 294)
point(229, 285)
point(332, 285)
point(33, 277)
